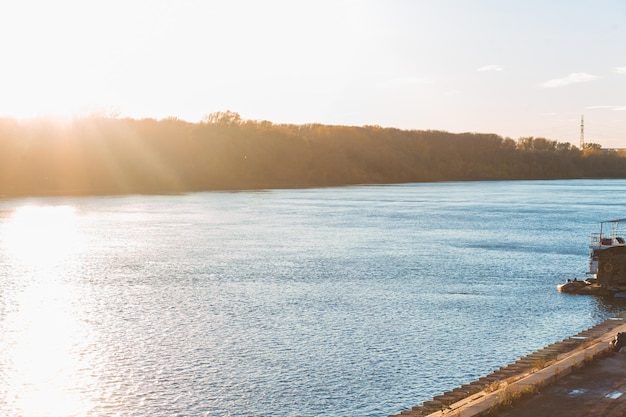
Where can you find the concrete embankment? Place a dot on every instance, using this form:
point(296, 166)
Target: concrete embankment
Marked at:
point(525, 375)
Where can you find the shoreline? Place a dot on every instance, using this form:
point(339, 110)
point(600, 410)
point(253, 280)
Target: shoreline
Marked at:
point(525, 376)
point(261, 188)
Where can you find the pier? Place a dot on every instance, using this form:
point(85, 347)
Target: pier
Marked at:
point(527, 375)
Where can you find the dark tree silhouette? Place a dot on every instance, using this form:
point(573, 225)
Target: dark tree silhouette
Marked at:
point(99, 155)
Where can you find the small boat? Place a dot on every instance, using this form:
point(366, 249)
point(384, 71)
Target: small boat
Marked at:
point(607, 264)
point(586, 287)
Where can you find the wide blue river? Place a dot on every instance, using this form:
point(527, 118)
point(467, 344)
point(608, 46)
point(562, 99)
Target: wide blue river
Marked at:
point(354, 301)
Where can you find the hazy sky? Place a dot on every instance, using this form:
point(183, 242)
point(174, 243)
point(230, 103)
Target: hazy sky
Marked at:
point(515, 68)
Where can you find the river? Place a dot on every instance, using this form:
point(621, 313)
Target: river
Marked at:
point(352, 301)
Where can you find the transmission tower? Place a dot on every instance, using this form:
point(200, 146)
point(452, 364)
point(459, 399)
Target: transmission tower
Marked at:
point(582, 132)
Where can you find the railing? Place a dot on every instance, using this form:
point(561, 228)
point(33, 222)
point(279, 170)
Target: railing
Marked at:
point(596, 239)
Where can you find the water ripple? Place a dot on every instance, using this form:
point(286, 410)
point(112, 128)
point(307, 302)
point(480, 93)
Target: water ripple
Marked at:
point(358, 301)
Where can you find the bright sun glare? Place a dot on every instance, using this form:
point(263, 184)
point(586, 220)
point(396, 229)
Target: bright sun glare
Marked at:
point(43, 330)
point(43, 236)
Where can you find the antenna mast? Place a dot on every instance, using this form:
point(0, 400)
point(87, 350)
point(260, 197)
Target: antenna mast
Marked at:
point(582, 132)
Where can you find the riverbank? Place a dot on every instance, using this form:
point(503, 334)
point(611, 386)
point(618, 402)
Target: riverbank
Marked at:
point(109, 156)
point(594, 390)
point(524, 378)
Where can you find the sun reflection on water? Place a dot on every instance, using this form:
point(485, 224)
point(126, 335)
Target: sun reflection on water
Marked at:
point(44, 370)
point(43, 236)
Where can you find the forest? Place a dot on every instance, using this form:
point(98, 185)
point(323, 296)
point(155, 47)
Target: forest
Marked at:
point(107, 155)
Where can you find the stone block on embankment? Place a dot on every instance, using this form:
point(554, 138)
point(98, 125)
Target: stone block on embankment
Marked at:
point(470, 399)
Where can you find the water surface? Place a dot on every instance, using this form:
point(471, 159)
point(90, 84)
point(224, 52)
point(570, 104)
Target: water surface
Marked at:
point(355, 301)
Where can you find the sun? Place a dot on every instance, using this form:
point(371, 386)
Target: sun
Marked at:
point(49, 69)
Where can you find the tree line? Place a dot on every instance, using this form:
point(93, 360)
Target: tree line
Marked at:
point(100, 155)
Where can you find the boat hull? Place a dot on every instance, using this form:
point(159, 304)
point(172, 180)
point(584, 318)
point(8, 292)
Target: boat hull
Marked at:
point(582, 287)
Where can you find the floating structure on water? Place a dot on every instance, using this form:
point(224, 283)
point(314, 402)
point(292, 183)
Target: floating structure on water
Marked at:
point(607, 264)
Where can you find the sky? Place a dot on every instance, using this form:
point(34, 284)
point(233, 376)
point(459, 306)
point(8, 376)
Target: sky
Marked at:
point(513, 68)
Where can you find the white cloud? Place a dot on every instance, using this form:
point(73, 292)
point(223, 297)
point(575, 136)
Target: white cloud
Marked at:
point(491, 68)
point(574, 78)
point(620, 70)
point(614, 108)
